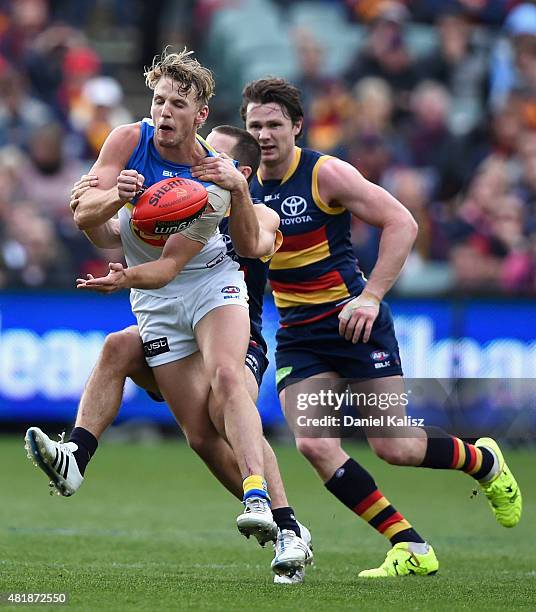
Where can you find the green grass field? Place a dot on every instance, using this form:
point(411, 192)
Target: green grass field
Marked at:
point(151, 530)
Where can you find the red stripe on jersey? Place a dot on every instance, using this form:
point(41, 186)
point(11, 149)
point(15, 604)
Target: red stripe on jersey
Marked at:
point(304, 241)
point(322, 315)
point(366, 503)
point(326, 281)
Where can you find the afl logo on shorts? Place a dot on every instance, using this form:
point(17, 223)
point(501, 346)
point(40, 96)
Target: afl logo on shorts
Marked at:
point(293, 206)
point(379, 355)
point(231, 290)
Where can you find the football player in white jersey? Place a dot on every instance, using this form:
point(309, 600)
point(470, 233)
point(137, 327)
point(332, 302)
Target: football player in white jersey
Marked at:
point(165, 300)
point(122, 357)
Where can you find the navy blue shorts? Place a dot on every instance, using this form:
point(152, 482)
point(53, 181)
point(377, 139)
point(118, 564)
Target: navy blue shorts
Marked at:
point(256, 361)
point(305, 350)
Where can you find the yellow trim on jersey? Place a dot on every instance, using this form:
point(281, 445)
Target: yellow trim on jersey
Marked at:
point(324, 207)
point(278, 241)
point(291, 169)
point(293, 165)
point(296, 298)
point(298, 259)
point(205, 144)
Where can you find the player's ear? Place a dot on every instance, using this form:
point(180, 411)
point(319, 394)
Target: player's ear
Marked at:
point(202, 115)
point(247, 171)
point(297, 127)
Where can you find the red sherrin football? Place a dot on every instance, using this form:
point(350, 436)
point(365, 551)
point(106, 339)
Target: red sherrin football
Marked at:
point(169, 206)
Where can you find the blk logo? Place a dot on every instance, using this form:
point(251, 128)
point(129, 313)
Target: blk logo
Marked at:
point(293, 206)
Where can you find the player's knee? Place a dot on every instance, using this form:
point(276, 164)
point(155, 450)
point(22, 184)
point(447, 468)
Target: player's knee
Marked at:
point(314, 450)
point(199, 444)
point(123, 351)
point(391, 450)
point(226, 378)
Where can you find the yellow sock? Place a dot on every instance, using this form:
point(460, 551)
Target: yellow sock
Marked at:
point(255, 486)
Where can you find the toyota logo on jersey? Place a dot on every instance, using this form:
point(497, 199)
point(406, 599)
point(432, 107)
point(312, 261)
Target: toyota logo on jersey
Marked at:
point(293, 206)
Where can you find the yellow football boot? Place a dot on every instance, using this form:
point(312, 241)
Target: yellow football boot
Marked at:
point(502, 491)
point(400, 561)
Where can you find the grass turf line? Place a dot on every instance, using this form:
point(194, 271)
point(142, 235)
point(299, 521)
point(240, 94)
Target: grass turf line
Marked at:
point(151, 529)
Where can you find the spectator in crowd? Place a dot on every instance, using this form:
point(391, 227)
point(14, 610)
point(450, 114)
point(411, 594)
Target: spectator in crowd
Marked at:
point(370, 142)
point(25, 20)
point(489, 12)
point(46, 61)
point(327, 103)
point(526, 186)
point(477, 251)
point(49, 174)
point(513, 65)
point(460, 63)
point(426, 134)
point(20, 113)
point(97, 112)
point(462, 160)
point(386, 55)
point(31, 254)
point(426, 269)
point(518, 274)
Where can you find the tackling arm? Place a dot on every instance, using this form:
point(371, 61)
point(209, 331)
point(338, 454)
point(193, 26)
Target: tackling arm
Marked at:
point(105, 236)
point(269, 238)
point(244, 227)
point(99, 204)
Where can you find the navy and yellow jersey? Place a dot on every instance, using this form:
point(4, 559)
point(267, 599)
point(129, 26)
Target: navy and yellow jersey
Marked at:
point(315, 270)
point(255, 275)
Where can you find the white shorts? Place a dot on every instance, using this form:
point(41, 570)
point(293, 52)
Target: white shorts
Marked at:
point(167, 325)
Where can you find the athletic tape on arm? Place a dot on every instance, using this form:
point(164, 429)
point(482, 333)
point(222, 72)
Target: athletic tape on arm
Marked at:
point(204, 227)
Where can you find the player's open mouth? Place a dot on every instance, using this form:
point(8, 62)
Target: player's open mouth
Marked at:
point(267, 149)
point(165, 128)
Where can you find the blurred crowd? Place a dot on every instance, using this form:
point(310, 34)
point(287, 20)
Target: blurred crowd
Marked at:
point(451, 133)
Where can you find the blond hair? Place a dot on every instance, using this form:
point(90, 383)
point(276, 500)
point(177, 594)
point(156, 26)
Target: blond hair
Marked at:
point(185, 71)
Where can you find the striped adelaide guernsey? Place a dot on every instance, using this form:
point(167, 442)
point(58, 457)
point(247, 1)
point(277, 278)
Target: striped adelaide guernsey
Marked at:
point(315, 271)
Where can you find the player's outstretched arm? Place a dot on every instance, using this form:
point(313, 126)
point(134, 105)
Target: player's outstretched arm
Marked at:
point(99, 204)
point(105, 236)
point(176, 253)
point(340, 184)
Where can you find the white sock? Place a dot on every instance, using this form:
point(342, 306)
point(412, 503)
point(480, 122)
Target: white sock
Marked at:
point(419, 548)
point(494, 469)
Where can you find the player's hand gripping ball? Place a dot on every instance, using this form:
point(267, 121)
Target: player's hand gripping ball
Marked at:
point(169, 206)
